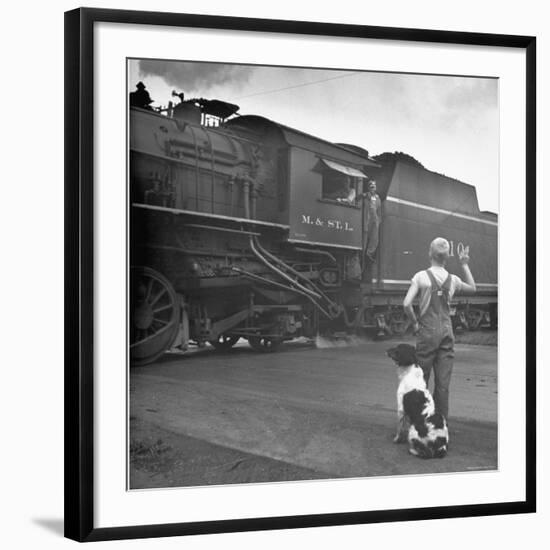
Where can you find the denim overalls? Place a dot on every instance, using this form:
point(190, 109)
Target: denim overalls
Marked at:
point(371, 226)
point(435, 342)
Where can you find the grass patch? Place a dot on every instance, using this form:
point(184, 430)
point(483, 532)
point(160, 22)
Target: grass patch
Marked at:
point(150, 455)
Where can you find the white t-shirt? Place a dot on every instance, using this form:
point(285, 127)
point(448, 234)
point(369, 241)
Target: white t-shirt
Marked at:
point(424, 285)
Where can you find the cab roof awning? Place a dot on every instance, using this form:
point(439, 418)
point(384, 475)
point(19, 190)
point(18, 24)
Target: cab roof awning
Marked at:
point(348, 170)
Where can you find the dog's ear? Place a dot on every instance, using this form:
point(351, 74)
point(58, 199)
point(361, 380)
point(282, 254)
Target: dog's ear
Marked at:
point(405, 355)
point(413, 358)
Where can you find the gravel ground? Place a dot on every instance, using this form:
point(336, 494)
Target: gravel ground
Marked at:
point(302, 413)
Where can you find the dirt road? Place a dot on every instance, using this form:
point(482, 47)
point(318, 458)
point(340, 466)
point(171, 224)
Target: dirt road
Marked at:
point(302, 413)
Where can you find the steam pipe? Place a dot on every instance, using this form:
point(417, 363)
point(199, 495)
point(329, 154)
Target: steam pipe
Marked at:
point(293, 271)
point(255, 277)
point(246, 188)
point(212, 162)
point(196, 166)
point(259, 278)
point(319, 293)
point(253, 195)
point(279, 272)
point(334, 309)
point(316, 251)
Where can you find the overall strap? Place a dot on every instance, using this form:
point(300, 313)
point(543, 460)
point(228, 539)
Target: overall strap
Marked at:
point(435, 285)
point(439, 299)
point(447, 284)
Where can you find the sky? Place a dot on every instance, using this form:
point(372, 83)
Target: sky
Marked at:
point(448, 123)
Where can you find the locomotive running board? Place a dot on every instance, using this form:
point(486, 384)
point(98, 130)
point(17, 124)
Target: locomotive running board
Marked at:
point(178, 211)
point(331, 245)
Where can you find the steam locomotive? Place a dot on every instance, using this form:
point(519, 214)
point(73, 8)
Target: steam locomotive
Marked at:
point(239, 228)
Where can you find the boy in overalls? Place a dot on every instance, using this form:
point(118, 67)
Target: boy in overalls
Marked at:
point(435, 288)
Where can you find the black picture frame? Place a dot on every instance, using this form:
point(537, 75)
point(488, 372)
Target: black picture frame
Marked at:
point(79, 272)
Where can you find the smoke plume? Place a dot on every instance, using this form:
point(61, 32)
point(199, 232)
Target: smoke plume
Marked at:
point(194, 76)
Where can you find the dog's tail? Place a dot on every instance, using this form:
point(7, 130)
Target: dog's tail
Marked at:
point(439, 447)
point(418, 448)
point(441, 452)
point(430, 449)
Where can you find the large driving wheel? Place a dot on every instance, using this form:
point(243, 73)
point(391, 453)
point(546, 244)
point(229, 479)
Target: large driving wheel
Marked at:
point(224, 342)
point(264, 344)
point(154, 315)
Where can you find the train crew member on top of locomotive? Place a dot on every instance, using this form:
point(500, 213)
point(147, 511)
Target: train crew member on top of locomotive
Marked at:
point(373, 216)
point(141, 98)
point(435, 288)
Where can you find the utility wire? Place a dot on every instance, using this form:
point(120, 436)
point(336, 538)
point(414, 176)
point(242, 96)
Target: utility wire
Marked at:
point(298, 85)
point(451, 213)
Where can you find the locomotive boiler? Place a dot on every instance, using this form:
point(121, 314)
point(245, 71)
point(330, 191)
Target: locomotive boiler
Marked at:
point(241, 227)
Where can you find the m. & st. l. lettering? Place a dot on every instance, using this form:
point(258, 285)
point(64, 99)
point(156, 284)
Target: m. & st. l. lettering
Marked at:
point(336, 225)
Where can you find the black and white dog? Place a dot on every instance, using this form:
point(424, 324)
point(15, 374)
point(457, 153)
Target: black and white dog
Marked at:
point(418, 423)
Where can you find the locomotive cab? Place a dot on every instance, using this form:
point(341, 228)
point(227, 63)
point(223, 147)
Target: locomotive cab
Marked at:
point(323, 183)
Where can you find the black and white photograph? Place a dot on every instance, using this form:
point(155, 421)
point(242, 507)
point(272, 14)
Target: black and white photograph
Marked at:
point(275, 275)
point(313, 273)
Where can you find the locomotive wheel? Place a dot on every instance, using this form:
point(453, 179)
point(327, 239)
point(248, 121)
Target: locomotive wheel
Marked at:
point(398, 323)
point(224, 342)
point(264, 344)
point(154, 315)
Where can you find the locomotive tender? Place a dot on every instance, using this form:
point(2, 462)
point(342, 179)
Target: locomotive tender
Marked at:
point(240, 228)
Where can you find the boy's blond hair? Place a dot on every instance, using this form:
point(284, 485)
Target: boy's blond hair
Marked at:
point(440, 250)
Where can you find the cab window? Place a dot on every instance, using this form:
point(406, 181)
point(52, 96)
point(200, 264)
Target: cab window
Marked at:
point(340, 187)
